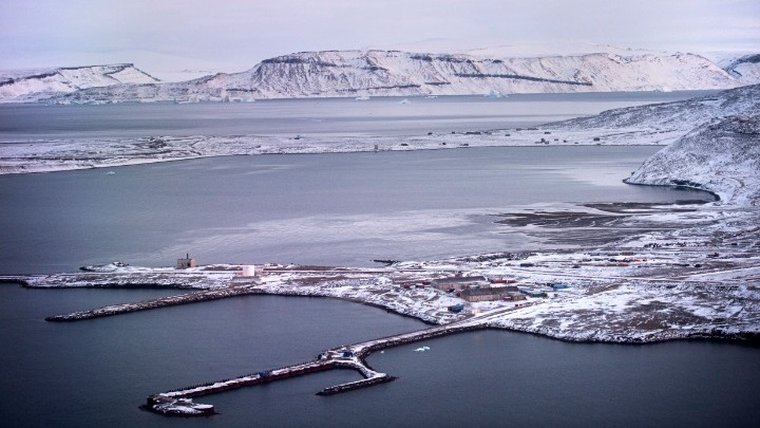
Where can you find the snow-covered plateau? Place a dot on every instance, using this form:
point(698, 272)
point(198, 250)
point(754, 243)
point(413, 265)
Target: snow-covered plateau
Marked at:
point(354, 73)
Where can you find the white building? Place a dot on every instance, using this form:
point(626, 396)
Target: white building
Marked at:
point(248, 270)
point(187, 262)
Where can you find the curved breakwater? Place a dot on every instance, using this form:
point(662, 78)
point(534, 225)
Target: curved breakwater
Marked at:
point(178, 402)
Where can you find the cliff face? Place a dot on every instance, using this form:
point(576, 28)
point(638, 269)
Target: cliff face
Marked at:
point(341, 73)
point(396, 73)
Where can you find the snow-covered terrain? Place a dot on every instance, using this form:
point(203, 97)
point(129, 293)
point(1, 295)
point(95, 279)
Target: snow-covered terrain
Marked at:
point(626, 272)
point(746, 69)
point(722, 157)
point(658, 124)
point(667, 272)
point(122, 276)
point(666, 122)
point(601, 272)
point(33, 85)
point(395, 73)
point(643, 312)
point(340, 73)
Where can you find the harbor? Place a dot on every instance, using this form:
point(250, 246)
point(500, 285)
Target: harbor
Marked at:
point(179, 402)
point(493, 362)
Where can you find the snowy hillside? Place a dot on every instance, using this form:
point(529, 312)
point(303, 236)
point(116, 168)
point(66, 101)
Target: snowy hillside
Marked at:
point(397, 73)
point(684, 115)
point(745, 69)
point(722, 157)
point(714, 141)
point(32, 85)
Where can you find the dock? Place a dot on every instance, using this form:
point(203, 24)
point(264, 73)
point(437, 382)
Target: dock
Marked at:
point(162, 302)
point(179, 402)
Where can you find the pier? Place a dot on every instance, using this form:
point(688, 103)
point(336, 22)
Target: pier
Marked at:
point(179, 402)
point(181, 299)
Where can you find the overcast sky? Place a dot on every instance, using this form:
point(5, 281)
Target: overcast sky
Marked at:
point(233, 35)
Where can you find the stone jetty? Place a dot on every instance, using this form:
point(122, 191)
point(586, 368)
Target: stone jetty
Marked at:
point(179, 402)
point(182, 299)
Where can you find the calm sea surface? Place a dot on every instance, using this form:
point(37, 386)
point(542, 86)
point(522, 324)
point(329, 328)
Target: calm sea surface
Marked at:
point(330, 116)
point(341, 209)
point(97, 373)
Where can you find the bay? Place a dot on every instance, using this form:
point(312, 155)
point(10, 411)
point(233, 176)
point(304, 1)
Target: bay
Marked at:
point(330, 209)
point(338, 209)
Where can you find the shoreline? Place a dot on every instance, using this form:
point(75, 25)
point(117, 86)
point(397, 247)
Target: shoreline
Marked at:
point(288, 285)
point(715, 194)
point(399, 97)
point(44, 169)
point(686, 272)
point(54, 155)
point(748, 339)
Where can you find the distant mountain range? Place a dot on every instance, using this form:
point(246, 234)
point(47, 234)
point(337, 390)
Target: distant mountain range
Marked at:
point(39, 84)
point(386, 73)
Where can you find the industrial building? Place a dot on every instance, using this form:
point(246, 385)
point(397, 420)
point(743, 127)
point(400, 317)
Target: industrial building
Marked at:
point(481, 294)
point(187, 262)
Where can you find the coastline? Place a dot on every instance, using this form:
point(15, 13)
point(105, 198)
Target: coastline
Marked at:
point(684, 274)
point(610, 286)
point(40, 156)
point(715, 194)
point(748, 338)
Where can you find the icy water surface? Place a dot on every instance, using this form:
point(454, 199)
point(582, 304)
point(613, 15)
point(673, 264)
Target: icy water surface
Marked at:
point(330, 116)
point(97, 373)
point(340, 209)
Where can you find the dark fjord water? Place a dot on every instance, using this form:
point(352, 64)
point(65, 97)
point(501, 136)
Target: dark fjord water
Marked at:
point(342, 209)
point(97, 373)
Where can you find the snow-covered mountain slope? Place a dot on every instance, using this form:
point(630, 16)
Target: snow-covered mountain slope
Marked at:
point(722, 157)
point(389, 73)
point(32, 85)
point(679, 116)
point(714, 141)
point(339, 73)
point(745, 69)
